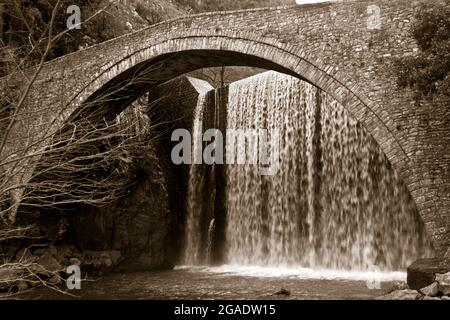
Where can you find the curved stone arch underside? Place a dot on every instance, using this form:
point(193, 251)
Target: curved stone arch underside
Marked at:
point(166, 60)
point(158, 63)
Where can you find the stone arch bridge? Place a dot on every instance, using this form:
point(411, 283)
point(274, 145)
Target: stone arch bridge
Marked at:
point(346, 49)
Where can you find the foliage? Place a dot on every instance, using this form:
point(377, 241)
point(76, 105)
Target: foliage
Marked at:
point(221, 5)
point(25, 24)
point(428, 73)
point(89, 160)
point(93, 160)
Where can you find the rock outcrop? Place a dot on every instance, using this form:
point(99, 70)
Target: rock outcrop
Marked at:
point(428, 279)
point(422, 272)
point(138, 225)
point(31, 267)
point(405, 294)
point(443, 281)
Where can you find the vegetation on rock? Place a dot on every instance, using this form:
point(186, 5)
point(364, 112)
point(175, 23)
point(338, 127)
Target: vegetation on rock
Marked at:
point(428, 72)
point(221, 5)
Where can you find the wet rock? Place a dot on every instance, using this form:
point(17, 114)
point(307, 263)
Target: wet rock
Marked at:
point(398, 285)
point(47, 263)
point(444, 283)
point(431, 291)
point(423, 272)
point(406, 294)
point(65, 253)
point(283, 292)
point(101, 260)
point(55, 280)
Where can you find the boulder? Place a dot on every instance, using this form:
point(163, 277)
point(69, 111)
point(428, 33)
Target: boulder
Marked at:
point(444, 283)
point(398, 285)
point(66, 251)
point(64, 254)
point(62, 260)
point(100, 260)
point(423, 272)
point(105, 260)
point(115, 256)
point(55, 280)
point(405, 294)
point(430, 291)
point(7, 277)
point(47, 263)
point(283, 292)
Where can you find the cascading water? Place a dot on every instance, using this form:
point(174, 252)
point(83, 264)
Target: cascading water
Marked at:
point(334, 203)
point(193, 241)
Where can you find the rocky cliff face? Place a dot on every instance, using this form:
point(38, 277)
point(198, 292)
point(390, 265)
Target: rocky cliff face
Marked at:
point(138, 225)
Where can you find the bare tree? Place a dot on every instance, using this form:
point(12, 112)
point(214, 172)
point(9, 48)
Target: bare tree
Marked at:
point(13, 113)
point(89, 160)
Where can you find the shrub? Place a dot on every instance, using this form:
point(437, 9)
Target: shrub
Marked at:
point(428, 73)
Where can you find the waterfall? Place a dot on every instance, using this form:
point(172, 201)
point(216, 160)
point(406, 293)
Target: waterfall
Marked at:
point(209, 248)
point(335, 201)
point(193, 236)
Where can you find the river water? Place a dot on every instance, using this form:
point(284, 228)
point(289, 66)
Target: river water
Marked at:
point(228, 282)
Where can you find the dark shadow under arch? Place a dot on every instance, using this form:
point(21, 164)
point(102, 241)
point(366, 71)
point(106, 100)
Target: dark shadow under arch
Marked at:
point(121, 91)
